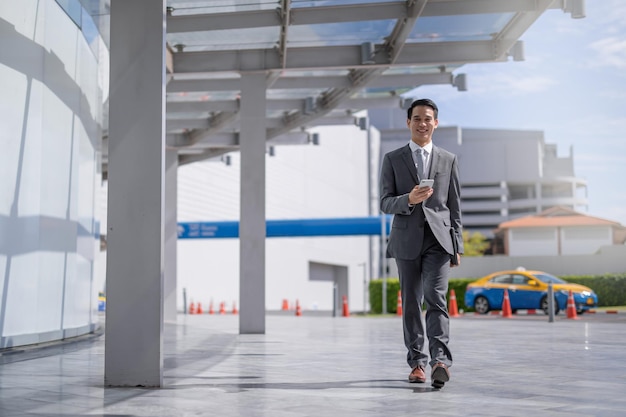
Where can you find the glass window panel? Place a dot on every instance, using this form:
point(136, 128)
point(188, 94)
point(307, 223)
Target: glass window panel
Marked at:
point(294, 93)
point(219, 6)
point(350, 33)
point(459, 28)
point(202, 96)
point(316, 73)
point(73, 9)
point(187, 115)
point(216, 40)
point(314, 3)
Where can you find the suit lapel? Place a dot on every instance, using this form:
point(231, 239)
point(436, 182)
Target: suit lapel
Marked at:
point(410, 164)
point(433, 162)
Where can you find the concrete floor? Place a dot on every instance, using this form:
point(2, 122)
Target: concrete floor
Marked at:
point(324, 366)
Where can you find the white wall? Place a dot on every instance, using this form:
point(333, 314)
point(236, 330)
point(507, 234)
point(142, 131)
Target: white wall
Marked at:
point(302, 181)
point(585, 240)
point(551, 241)
point(50, 109)
point(533, 241)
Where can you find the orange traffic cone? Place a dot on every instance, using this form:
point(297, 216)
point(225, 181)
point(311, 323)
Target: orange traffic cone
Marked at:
point(399, 306)
point(285, 304)
point(454, 309)
point(506, 305)
point(192, 308)
point(235, 311)
point(298, 309)
point(222, 308)
point(211, 311)
point(199, 308)
point(346, 311)
point(571, 307)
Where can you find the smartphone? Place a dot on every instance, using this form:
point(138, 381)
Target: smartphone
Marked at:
point(426, 183)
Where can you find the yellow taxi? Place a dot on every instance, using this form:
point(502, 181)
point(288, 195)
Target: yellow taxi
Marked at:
point(527, 290)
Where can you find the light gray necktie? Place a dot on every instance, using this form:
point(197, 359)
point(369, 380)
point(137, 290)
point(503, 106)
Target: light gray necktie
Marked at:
point(419, 162)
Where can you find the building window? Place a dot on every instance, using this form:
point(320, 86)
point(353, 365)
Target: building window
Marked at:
point(74, 10)
point(521, 192)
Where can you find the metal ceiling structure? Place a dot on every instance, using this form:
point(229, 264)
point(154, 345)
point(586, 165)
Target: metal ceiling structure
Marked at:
point(324, 60)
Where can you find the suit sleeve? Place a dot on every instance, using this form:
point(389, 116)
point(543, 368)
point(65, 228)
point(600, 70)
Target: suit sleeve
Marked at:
point(390, 201)
point(454, 205)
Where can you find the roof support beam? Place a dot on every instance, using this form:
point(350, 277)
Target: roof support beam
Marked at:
point(284, 11)
point(335, 57)
point(184, 159)
point(231, 140)
point(390, 81)
point(287, 105)
point(516, 27)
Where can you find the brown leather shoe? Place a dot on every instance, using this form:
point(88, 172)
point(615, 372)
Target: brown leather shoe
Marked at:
point(440, 375)
point(417, 375)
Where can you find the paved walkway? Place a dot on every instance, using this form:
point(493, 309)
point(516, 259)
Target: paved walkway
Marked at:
point(323, 366)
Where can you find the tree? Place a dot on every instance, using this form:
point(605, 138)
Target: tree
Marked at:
point(475, 244)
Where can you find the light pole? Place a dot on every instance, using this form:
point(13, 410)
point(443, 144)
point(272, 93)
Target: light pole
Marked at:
point(383, 258)
point(364, 265)
point(364, 124)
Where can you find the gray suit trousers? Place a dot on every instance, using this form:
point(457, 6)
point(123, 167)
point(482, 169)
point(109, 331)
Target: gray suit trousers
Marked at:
point(425, 279)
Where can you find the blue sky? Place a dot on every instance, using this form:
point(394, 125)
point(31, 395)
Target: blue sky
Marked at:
point(571, 86)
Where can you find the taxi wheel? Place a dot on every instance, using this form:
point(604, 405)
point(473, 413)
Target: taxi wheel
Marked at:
point(544, 306)
point(481, 305)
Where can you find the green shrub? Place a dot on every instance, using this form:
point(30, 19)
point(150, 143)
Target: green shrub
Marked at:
point(610, 288)
point(376, 295)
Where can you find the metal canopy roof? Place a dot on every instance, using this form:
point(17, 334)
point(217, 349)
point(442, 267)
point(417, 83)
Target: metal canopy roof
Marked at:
point(323, 60)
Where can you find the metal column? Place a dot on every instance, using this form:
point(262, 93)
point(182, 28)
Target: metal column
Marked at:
point(135, 234)
point(252, 139)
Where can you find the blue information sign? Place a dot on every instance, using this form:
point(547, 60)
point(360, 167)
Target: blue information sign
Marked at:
point(349, 226)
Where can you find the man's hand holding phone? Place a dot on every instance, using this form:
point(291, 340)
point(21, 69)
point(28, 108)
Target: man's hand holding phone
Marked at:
point(421, 192)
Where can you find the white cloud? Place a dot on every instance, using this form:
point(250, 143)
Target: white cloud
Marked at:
point(606, 134)
point(508, 83)
point(610, 52)
point(615, 94)
point(612, 17)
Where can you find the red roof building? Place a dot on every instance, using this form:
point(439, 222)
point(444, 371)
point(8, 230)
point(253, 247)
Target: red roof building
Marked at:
point(558, 231)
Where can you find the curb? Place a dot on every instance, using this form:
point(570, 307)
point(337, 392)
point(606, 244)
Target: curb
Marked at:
point(532, 312)
point(604, 312)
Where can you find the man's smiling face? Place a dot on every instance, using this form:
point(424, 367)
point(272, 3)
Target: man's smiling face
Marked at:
point(422, 124)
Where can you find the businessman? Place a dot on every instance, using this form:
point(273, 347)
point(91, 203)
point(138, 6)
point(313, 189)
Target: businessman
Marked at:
point(425, 239)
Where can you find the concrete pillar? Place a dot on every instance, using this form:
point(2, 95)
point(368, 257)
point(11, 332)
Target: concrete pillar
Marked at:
point(171, 235)
point(252, 139)
point(135, 233)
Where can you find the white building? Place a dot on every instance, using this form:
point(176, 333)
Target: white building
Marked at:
point(303, 182)
point(50, 136)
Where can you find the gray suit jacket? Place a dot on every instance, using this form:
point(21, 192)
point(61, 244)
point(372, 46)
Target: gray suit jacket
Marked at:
point(442, 210)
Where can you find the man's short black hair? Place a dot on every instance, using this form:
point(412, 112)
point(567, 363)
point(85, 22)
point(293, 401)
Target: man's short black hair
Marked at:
point(422, 102)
